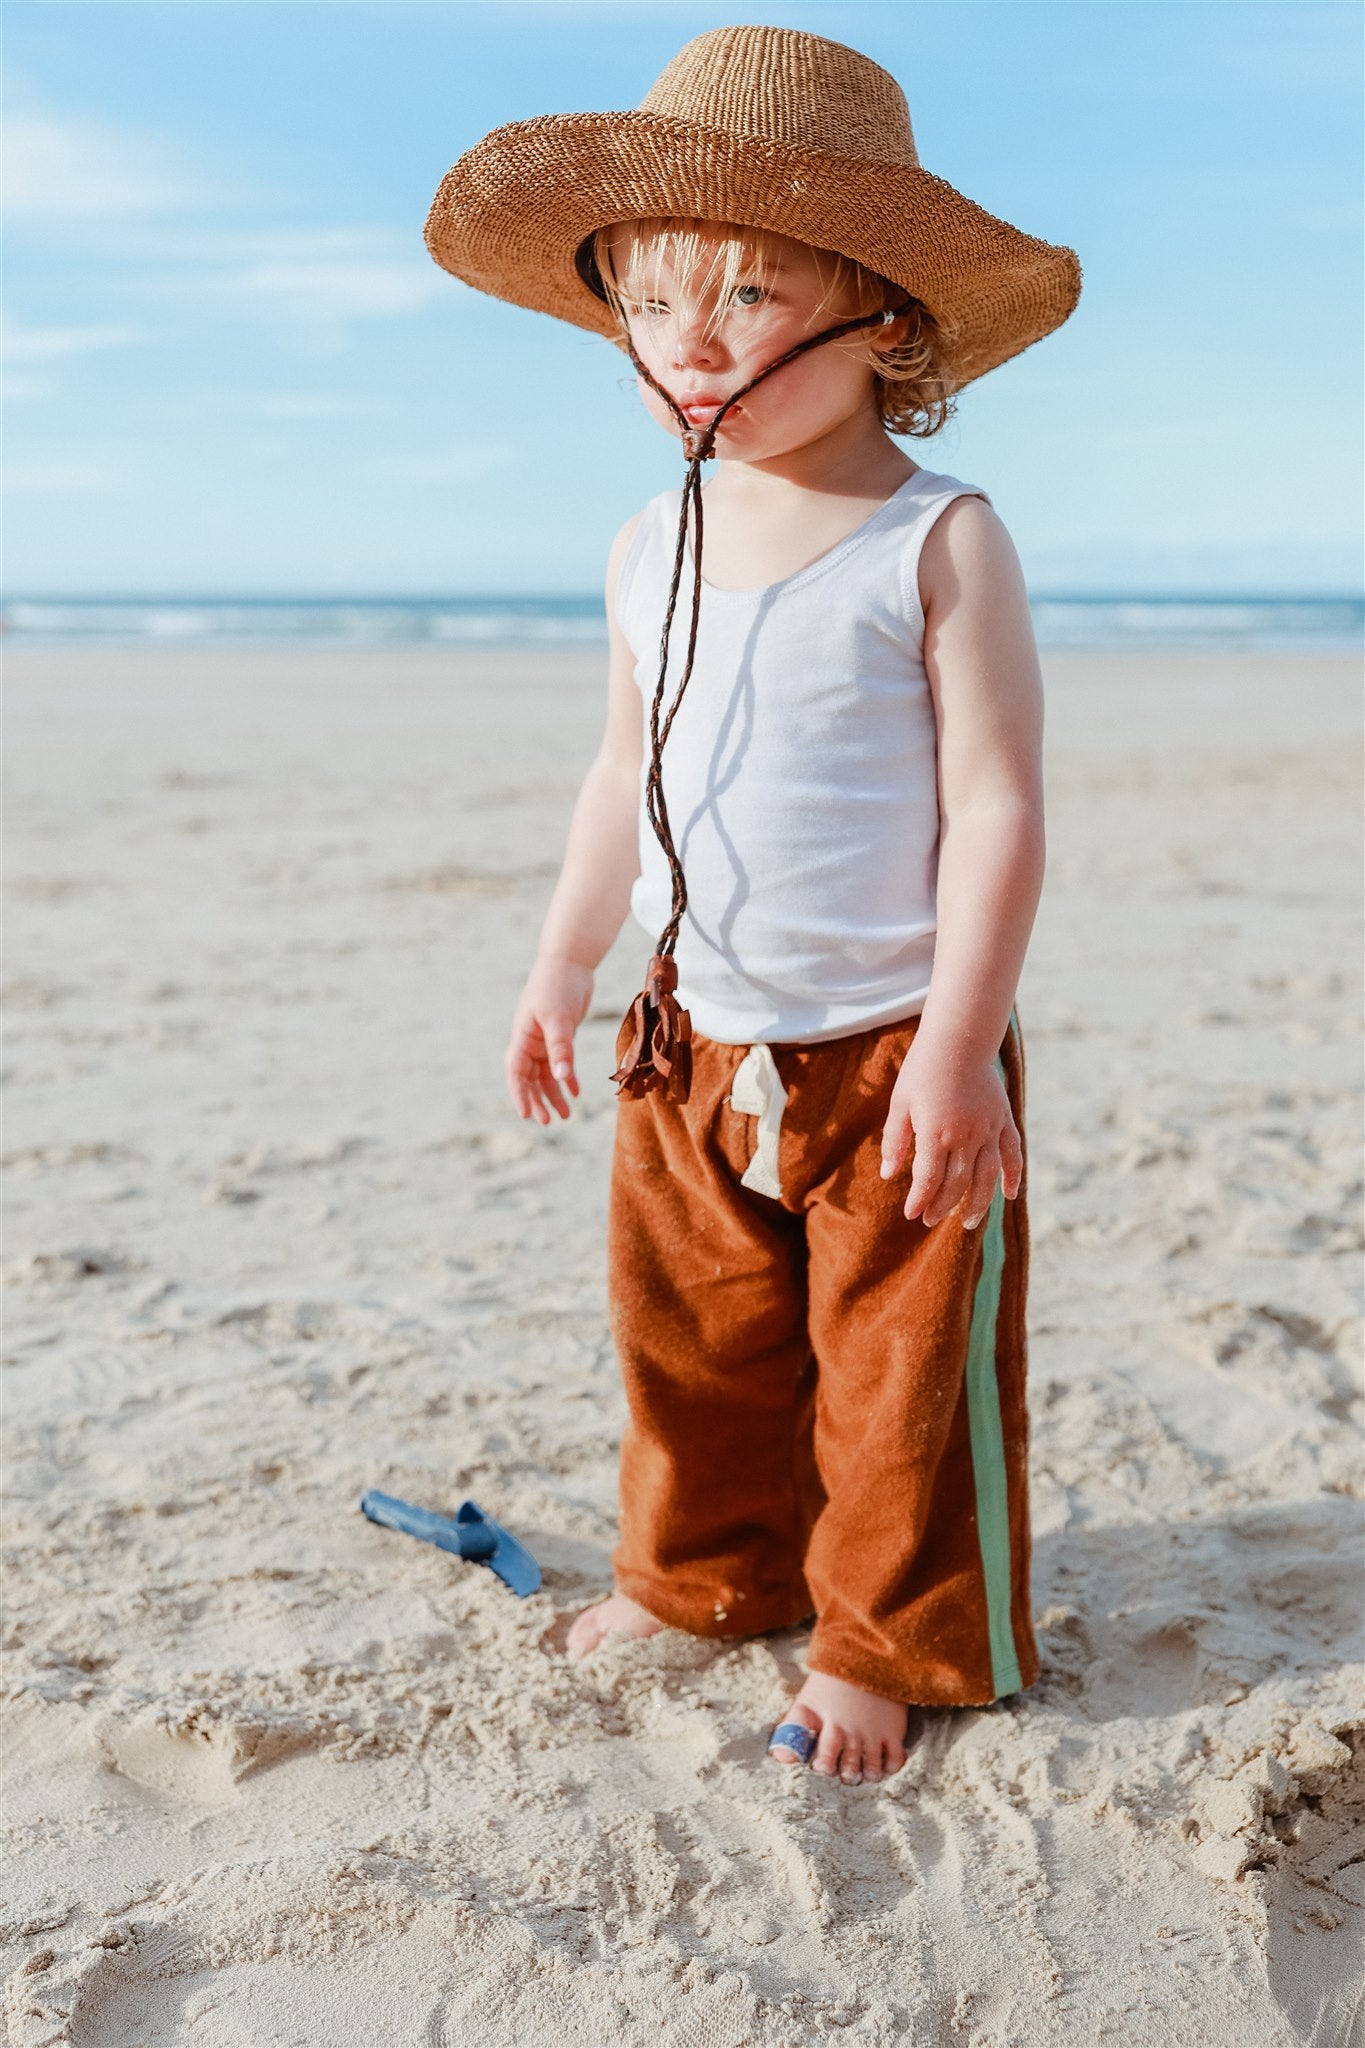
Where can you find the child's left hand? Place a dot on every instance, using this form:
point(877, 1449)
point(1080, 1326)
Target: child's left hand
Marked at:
point(957, 1116)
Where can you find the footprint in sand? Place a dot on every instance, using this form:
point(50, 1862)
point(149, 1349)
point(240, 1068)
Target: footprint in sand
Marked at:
point(197, 1766)
point(1156, 1672)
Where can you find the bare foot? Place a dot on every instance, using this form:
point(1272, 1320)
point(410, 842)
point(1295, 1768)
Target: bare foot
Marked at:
point(862, 1735)
point(619, 1615)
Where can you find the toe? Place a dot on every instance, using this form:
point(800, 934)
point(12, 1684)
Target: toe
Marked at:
point(585, 1635)
point(803, 1718)
point(828, 1750)
point(579, 1642)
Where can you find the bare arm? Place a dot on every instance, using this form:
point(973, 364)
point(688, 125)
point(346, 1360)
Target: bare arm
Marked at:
point(591, 897)
point(983, 670)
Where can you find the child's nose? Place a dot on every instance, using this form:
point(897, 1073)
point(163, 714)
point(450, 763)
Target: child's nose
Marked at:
point(692, 344)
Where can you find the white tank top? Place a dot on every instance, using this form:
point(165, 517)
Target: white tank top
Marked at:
point(800, 777)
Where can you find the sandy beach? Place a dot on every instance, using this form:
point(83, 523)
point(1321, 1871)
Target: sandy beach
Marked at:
point(280, 1779)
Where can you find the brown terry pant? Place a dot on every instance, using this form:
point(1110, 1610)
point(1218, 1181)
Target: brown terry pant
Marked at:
point(826, 1401)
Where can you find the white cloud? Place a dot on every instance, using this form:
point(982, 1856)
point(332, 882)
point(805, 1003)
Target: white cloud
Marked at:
point(320, 277)
point(127, 189)
point(159, 258)
point(323, 273)
point(347, 290)
point(71, 167)
point(41, 344)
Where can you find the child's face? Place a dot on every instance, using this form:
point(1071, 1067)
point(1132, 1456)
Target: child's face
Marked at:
point(701, 351)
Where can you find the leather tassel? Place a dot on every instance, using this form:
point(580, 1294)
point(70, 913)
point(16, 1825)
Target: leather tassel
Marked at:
point(654, 1044)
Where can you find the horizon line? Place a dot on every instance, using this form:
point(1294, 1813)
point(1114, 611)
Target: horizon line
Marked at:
point(1107, 595)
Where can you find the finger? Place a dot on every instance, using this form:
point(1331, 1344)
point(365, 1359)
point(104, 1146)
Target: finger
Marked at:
point(951, 1188)
point(851, 1762)
point(529, 1090)
point(559, 1052)
point(1011, 1159)
point(895, 1140)
point(954, 1186)
point(517, 1083)
point(522, 1063)
point(550, 1089)
point(528, 1073)
point(982, 1192)
point(526, 1103)
point(931, 1160)
point(523, 1048)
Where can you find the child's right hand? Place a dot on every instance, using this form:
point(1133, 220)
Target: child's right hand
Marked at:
point(539, 1057)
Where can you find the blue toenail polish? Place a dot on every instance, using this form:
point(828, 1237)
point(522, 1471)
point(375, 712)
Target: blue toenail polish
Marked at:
point(791, 1735)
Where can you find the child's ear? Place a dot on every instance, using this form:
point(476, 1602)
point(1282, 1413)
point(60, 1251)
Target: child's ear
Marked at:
point(904, 328)
point(891, 335)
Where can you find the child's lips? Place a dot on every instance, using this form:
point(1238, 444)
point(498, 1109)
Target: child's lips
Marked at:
point(700, 414)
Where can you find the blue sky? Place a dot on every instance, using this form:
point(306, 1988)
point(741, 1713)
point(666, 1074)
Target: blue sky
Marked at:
point(231, 365)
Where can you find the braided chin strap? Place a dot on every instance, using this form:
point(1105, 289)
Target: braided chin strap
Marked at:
point(654, 1045)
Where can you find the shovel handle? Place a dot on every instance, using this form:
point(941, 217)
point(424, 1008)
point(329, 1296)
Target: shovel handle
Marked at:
point(472, 1540)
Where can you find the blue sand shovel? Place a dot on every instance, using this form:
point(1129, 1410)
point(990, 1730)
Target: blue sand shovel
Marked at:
point(472, 1535)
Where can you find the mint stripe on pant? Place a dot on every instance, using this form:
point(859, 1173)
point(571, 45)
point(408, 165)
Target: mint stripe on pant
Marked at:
point(988, 1455)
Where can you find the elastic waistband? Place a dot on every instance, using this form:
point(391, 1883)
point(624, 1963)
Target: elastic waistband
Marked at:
point(868, 1034)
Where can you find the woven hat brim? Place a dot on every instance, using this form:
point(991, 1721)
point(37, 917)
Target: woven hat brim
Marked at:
point(509, 216)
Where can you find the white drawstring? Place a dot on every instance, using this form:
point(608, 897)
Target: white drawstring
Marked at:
point(757, 1091)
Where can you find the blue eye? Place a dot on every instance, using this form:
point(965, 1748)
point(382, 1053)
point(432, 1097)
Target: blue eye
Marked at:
point(757, 289)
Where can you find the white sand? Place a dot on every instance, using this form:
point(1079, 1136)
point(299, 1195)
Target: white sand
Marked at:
point(278, 1777)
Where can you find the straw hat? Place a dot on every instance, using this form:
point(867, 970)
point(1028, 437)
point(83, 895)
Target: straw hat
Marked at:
point(763, 127)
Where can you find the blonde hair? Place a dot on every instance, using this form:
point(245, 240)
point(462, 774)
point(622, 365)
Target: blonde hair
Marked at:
point(913, 383)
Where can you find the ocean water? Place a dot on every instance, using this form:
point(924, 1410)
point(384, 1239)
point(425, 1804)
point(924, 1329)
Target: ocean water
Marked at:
point(1060, 620)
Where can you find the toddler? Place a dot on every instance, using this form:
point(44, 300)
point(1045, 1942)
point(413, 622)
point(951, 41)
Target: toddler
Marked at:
point(819, 783)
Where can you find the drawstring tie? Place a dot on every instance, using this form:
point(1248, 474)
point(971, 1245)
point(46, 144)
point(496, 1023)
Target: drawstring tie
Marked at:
point(757, 1091)
point(653, 1047)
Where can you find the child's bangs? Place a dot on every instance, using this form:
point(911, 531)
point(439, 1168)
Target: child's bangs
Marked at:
point(697, 261)
point(708, 260)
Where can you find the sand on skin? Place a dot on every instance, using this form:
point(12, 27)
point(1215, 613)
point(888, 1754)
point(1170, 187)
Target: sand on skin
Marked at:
point(276, 1776)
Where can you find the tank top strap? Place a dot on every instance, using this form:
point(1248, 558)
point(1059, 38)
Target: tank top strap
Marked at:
point(935, 491)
